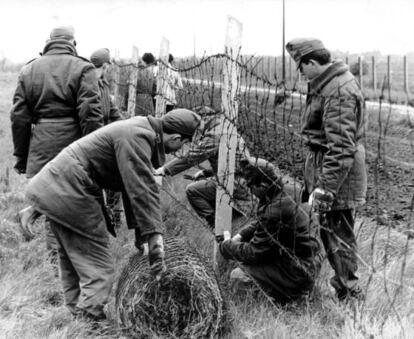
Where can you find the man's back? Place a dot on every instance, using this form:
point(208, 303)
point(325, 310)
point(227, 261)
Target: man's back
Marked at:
point(58, 93)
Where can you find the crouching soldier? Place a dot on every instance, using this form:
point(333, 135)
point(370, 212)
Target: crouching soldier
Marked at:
point(120, 157)
point(278, 250)
point(201, 193)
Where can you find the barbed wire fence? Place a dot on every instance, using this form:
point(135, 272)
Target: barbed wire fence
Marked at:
point(268, 117)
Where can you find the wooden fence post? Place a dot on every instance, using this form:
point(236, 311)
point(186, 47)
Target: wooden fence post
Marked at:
point(162, 74)
point(405, 75)
point(228, 138)
point(389, 76)
point(133, 77)
point(361, 73)
point(117, 78)
point(374, 75)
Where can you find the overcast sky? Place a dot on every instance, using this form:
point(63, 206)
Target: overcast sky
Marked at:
point(346, 25)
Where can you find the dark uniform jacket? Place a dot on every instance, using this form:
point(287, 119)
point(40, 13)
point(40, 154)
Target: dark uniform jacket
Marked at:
point(109, 110)
point(58, 94)
point(333, 126)
point(283, 229)
point(280, 250)
point(120, 157)
point(145, 91)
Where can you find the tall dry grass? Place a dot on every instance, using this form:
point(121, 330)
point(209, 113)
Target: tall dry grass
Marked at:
point(31, 303)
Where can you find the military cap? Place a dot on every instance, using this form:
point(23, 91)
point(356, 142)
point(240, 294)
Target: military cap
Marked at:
point(100, 57)
point(298, 48)
point(62, 32)
point(181, 121)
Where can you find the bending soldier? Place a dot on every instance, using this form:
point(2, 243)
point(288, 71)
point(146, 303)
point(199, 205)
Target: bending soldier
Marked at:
point(120, 157)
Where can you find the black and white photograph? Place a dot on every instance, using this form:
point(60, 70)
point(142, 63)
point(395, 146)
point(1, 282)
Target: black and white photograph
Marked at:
point(206, 169)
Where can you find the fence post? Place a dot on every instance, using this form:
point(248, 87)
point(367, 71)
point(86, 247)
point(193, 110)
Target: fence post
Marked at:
point(228, 138)
point(117, 77)
point(133, 77)
point(162, 74)
point(405, 75)
point(374, 76)
point(361, 73)
point(389, 77)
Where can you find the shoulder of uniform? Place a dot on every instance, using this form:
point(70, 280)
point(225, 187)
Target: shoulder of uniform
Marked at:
point(84, 59)
point(30, 61)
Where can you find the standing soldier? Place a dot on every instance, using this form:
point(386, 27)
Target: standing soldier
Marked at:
point(335, 173)
point(55, 103)
point(101, 59)
point(146, 86)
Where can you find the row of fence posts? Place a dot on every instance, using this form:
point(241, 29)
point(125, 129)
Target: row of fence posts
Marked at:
point(160, 103)
point(230, 85)
point(292, 78)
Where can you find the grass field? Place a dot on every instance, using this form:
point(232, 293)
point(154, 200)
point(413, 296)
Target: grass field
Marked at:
point(31, 302)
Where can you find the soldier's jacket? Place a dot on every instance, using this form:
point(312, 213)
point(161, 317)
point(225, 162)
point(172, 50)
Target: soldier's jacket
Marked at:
point(280, 251)
point(109, 110)
point(120, 157)
point(333, 125)
point(59, 89)
point(204, 147)
point(283, 229)
point(145, 91)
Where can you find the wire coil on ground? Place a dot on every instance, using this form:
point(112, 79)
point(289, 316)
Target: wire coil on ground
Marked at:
point(186, 302)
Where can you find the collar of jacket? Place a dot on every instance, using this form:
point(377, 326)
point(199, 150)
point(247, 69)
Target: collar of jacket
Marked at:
point(338, 67)
point(158, 156)
point(59, 46)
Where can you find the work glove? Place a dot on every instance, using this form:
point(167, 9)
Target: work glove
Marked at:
point(27, 218)
point(20, 165)
point(160, 171)
point(159, 174)
point(237, 238)
point(321, 201)
point(225, 236)
point(156, 255)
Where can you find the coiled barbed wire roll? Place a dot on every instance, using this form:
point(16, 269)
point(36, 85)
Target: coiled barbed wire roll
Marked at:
point(186, 302)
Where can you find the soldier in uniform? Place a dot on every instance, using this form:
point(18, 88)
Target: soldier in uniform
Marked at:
point(335, 173)
point(120, 157)
point(146, 86)
point(279, 250)
point(55, 103)
point(201, 193)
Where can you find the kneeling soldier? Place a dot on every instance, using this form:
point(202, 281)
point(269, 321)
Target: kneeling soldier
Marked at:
point(278, 250)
